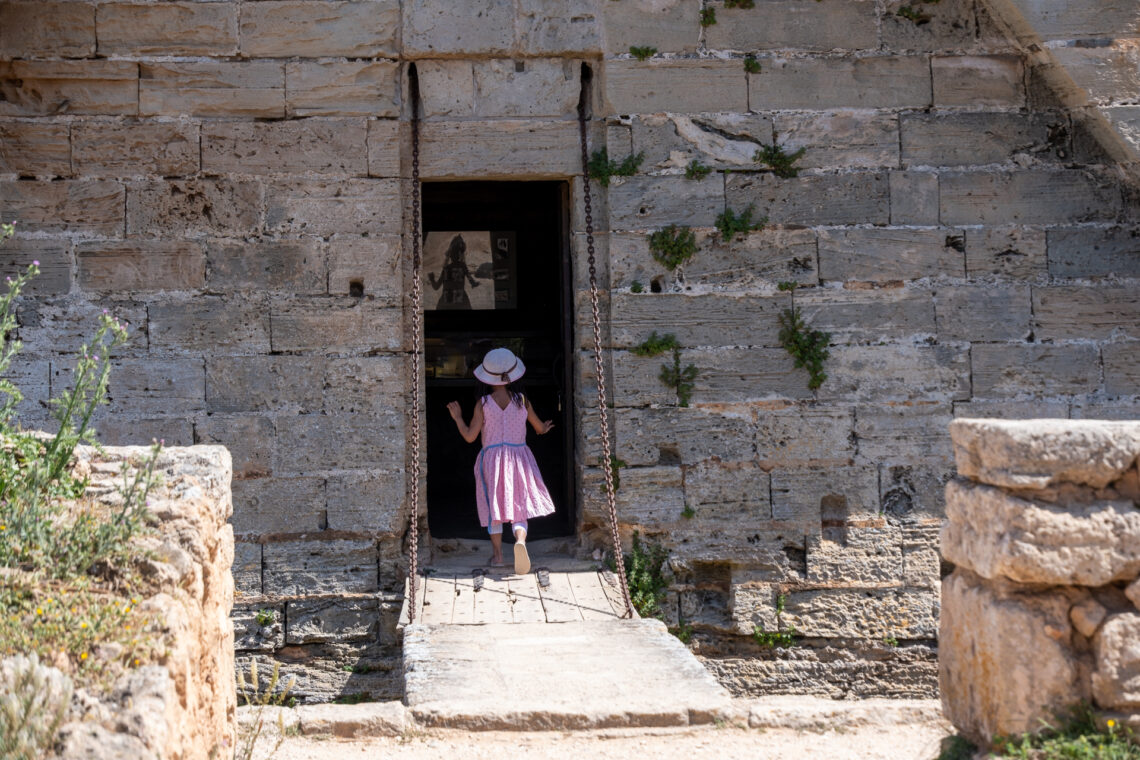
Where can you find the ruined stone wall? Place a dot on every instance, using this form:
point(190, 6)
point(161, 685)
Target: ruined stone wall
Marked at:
point(220, 172)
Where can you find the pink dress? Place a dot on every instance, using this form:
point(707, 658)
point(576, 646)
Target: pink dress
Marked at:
point(508, 485)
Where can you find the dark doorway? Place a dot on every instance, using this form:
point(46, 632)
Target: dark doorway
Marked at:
point(497, 273)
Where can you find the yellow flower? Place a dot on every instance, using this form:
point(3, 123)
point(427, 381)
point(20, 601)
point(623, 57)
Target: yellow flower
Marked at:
point(47, 601)
point(1111, 722)
point(39, 610)
point(83, 624)
point(126, 609)
point(136, 661)
point(134, 601)
point(128, 628)
point(3, 527)
point(83, 656)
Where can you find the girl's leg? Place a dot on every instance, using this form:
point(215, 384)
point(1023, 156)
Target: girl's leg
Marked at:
point(496, 531)
point(519, 528)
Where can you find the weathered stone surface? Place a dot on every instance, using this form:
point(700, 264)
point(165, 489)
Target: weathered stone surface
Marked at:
point(1132, 591)
point(61, 326)
point(125, 429)
point(984, 313)
point(951, 29)
point(922, 564)
point(847, 555)
point(1006, 409)
point(861, 316)
point(1116, 681)
point(854, 198)
point(1026, 197)
point(964, 139)
point(1015, 370)
point(320, 567)
point(566, 26)
point(122, 265)
point(295, 266)
point(806, 495)
point(432, 29)
point(888, 254)
point(367, 502)
point(821, 83)
point(849, 138)
point(287, 384)
point(796, 24)
point(249, 439)
point(252, 636)
point(278, 505)
point(1095, 251)
point(995, 683)
point(1121, 369)
point(384, 137)
point(737, 484)
point(316, 621)
point(706, 320)
point(372, 385)
point(994, 80)
point(312, 444)
point(373, 262)
point(134, 149)
point(447, 87)
point(681, 436)
point(333, 146)
point(526, 89)
point(859, 613)
point(54, 257)
point(327, 207)
point(899, 373)
point(671, 26)
point(516, 149)
point(649, 496)
point(1077, 312)
point(1103, 73)
point(1080, 545)
point(179, 28)
point(251, 89)
point(1041, 453)
point(41, 88)
point(34, 149)
point(718, 140)
point(804, 435)
point(915, 491)
point(904, 433)
point(1017, 252)
point(210, 324)
point(341, 88)
point(1098, 408)
point(247, 568)
point(90, 206)
point(150, 386)
point(288, 28)
point(364, 720)
point(914, 198)
point(47, 29)
point(1087, 616)
point(648, 202)
point(333, 325)
point(675, 86)
point(194, 207)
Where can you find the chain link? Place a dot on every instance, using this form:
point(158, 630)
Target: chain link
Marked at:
point(417, 355)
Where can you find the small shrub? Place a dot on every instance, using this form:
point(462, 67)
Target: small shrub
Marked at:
point(673, 246)
point(679, 379)
point(683, 631)
point(33, 702)
point(739, 3)
point(697, 170)
point(688, 512)
point(910, 13)
point(781, 163)
point(787, 285)
point(643, 53)
point(751, 65)
point(708, 16)
point(781, 638)
point(890, 641)
point(1077, 737)
point(730, 225)
point(655, 344)
point(807, 347)
point(265, 617)
point(636, 287)
point(600, 167)
point(647, 587)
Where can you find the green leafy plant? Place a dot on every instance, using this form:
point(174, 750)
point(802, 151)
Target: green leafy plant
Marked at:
point(739, 3)
point(616, 464)
point(787, 285)
point(673, 246)
point(33, 703)
point(730, 225)
point(808, 347)
point(890, 641)
point(265, 617)
point(642, 53)
point(1077, 736)
point(643, 570)
point(751, 65)
point(673, 376)
point(781, 638)
point(910, 13)
point(655, 344)
point(636, 287)
point(780, 162)
point(708, 16)
point(601, 168)
point(957, 748)
point(688, 512)
point(697, 170)
point(683, 631)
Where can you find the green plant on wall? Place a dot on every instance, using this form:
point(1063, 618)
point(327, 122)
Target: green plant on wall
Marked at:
point(642, 53)
point(808, 347)
point(731, 225)
point(708, 16)
point(751, 65)
point(739, 3)
point(915, 14)
point(781, 638)
point(616, 464)
point(778, 160)
point(643, 570)
point(697, 170)
point(672, 246)
point(600, 167)
point(674, 376)
point(655, 344)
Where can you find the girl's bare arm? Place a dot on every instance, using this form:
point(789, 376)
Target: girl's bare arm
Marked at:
point(539, 426)
point(469, 432)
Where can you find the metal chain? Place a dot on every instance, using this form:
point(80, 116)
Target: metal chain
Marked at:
point(603, 409)
point(417, 353)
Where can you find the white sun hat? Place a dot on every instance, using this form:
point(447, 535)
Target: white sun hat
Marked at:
point(500, 366)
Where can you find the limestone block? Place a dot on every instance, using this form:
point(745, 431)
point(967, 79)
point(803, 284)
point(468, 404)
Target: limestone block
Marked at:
point(516, 149)
point(320, 567)
point(1116, 681)
point(1132, 591)
point(1068, 21)
point(326, 146)
point(804, 435)
point(194, 207)
point(669, 25)
point(1093, 251)
point(983, 312)
point(1087, 616)
point(825, 83)
point(922, 564)
point(384, 138)
point(796, 24)
point(753, 606)
point(863, 613)
point(1078, 312)
point(772, 255)
point(252, 636)
point(135, 149)
point(1005, 663)
point(33, 378)
point(327, 207)
point(154, 386)
point(674, 86)
point(44, 29)
point(900, 373)
point(710, 319)
point(718, 140)
point(737, 485)
point(278, 505)
point(311, 444)
point(373, 262)
point(852, 198)
point(366, 385)
point(247, 568)
point(871, 555)
point(122, 429)
point(54, 257)
point(879, 254)
point(431, 28)
point(808, 495)
point(368, 719)
point(914, 198)
point(648, 496)
point(334, 325)
point(447, 87)
point(904, 433)
point(861, 316)
point(649, 202)
point(525, 89)
point(249, 439)
point(671, 435)
point(967, 139)
point(915, 490)
point(1026, 197)
point(1014, 251)
point(288, 28)
point(1103, 72)
point(341, 88)
point(295, 266)
point(847, 139)
point(251, 89)
point(1088, 545)
point(1121, 369)
point(42, 88)
point(994, 80)
point(1006, 409)
point(179, 28)
point(263, 383)
point(953, 27)
point(63, 325)
point(33, 149)
point(210, 324)
point(1098, 408)
point(1041, 453)
point(1039, 369)
point(371, 503)
point(124, 265)
point(319, 621)
point(563, 27)
point(90, 206)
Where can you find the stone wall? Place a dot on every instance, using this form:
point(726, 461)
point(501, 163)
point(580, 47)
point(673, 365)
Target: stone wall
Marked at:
point(1041, 610)
point(219, 172)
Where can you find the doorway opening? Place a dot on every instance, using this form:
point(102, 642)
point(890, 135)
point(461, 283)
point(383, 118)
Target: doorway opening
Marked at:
point(496, 273)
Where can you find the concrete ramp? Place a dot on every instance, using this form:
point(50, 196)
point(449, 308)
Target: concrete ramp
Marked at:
point(534, 676)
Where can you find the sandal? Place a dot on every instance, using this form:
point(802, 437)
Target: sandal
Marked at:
point(522, 559)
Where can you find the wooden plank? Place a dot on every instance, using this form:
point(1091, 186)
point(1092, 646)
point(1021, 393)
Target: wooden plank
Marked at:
point(591, 599)
point(464, 612)
point(558, 600)
point(526, 604)
point(418, 602)
point(613, 592)
point(439, 599)
point(492, 603)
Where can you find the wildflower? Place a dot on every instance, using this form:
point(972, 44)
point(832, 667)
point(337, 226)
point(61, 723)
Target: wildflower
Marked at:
point(35, 262)
point(134, 601)
point(126, 609)
point(3, 527)
point(83, 624)
point(39, 610)
point(136, 662)
point(1111, 723)
point(83, 656)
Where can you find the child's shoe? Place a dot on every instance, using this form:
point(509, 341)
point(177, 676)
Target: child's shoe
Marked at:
point(522, 559)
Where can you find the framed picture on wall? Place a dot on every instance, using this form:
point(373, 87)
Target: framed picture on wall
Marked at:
point(470, 270)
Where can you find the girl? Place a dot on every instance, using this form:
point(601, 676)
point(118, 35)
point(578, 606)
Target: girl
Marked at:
point(508, 485)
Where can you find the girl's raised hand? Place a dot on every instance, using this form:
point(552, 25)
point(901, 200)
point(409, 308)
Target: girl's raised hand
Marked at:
point(547, 426)
point(456, 411)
